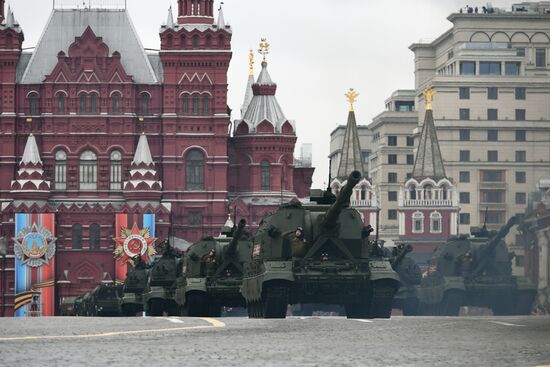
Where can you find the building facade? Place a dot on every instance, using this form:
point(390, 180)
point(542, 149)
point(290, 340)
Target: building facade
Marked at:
point(102, 140)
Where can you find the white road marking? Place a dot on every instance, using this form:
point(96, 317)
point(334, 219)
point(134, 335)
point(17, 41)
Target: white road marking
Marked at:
point(175, 320)
point(363, 320)
point(504, 323)
point(213, 323)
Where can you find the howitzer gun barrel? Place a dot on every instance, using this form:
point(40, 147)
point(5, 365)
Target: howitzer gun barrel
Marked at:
point(492, 244)
point(342, 200)
point(232, 247)
point(399, 258)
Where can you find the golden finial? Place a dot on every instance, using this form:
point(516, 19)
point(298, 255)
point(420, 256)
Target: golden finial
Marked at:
point(251, 63)
point(352, 97)
point(264, 48)
point(429, 94)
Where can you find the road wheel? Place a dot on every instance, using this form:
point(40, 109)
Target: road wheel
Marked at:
point(196, 304)
point(156, 307)
point(451, 303)
point(129, 310)
point(410, 307)
point(275, 299)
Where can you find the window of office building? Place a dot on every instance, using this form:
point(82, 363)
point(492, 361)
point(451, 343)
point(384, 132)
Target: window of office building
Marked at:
point(464, 92)
point(492, 93)
point(521, 198)
point(541, 57)
point(464, 176)
point(520, 93)
point(410, 159)
point(512, 68)
point(464, 198)
point(392, 196)
point(392, 158)
point(520, 51)
point(492, 196)
point(467, 68)
point(464, 155)
point(521, 156)
point(392, 140)
point(464, 218)
point(410, 141)
point(392, 177)
point(464, 113)
point(492, 156)
point(492, 114)
point(489, 68)
point(464, 134)
point(520, 115)
point(492, 135)
point(492, 176)
point(520, 177)
point(493, 217)
point(392, 214)
point(520, 135)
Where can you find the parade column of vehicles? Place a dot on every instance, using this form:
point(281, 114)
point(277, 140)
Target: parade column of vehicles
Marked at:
point(316, 255)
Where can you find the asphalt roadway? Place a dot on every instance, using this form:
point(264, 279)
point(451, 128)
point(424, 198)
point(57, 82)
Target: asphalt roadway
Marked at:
point(310, 341)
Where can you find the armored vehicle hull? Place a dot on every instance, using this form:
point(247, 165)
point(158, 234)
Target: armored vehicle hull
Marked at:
point(475, 272)
point(337, 268)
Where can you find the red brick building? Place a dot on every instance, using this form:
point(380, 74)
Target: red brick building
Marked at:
point(114, 129)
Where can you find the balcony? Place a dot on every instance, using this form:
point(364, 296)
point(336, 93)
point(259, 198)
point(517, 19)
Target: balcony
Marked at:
point(428, 203)
point(361, 203)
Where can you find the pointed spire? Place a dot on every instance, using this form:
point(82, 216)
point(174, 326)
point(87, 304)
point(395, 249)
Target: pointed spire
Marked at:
point(221, 19)
point(264, 78)
point(10, 20)
point(249, 92)
point(170, 18)
point(31, 153)
point(429, 162)
point(352, 156)
point(143, 153)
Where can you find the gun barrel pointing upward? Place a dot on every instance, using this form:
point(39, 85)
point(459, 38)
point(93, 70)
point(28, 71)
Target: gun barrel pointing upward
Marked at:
point(342, 201)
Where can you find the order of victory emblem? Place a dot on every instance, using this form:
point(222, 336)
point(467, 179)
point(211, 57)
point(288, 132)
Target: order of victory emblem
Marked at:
point(34, 246)
point(133, 242)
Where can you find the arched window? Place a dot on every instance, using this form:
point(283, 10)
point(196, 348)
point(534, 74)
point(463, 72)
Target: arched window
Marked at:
point(88, 171)
point(435, 222)
point(206, 104)
point(196, 104)
point(418, 222)
point(185, 104)
point(195, 41)
point(144, 104)
point(93, 103)
point(33, 104)
point(60, 170)
point(194, 170)
point(115, 102)
point(221, 41)
point(428, 192)
point(82, 98)
point(95, 236)
point(412, 193)
point(61, 102)
point(76, 237)
point(116, 170)
point(265, 177)
point(208, 41)
point(183, 41)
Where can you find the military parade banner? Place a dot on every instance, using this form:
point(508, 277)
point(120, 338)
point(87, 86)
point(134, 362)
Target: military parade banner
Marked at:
point(135, 235)
point(34, 248)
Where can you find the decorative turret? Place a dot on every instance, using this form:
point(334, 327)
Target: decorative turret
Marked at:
point(196, 11)
point(30, 183)
point(143, 184)
point(170, 18)
point(221, 19)
point(352, 156)
point(264, 115)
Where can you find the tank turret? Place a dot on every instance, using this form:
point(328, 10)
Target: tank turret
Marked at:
point(342, 201)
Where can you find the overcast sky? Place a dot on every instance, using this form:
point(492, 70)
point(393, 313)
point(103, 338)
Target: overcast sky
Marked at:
point(319, 49)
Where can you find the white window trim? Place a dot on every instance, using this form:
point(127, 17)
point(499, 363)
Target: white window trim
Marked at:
point(415, 217)
point(436, 216)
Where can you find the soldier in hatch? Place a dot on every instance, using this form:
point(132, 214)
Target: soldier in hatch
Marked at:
point(298, 244)
point(464, 263)
point(211, 263)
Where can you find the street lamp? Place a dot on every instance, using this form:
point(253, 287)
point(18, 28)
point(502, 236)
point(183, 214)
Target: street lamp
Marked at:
point(3, 253)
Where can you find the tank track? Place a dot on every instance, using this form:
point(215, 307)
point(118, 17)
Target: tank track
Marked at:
point(273, 304)
point(382, 299)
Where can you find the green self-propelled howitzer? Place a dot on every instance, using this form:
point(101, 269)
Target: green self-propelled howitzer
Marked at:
point(475, 271)
point(212, 273)
point(316, 254)
point(410, 277)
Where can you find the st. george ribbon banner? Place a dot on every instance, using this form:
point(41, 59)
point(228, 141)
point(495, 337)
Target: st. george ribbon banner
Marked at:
point(34, 248)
